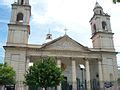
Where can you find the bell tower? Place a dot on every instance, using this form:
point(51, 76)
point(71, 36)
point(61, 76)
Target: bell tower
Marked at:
point(102, 36)
point(19, 28)
point(17, 41)
point(23, 2)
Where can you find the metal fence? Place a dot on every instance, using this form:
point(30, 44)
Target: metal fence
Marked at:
point(95, 85)
point(7, 87)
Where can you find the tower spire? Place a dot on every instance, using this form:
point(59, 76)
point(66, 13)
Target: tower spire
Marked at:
point(98, 9)
point(97, 4)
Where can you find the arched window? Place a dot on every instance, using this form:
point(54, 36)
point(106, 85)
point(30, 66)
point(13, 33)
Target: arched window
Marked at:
point(94, 26)
point(104, 25)
point(19, 17)
point(94, 29)
point(22, 1)
point(100, 12)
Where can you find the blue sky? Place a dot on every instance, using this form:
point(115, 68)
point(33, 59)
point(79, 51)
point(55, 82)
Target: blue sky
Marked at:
point(57, 15)
point(4, 18)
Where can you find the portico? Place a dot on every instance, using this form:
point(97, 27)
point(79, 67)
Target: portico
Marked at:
point(69, 60)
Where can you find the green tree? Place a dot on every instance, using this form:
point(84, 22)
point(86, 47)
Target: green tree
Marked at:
point(118, 80)
point(7, 75)
point(44, 73)
point(115, 1)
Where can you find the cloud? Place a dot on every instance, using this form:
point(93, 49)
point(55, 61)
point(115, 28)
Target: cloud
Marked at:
point(1, 52)
point(62, 14)
point(4, 21)
point(6, 2)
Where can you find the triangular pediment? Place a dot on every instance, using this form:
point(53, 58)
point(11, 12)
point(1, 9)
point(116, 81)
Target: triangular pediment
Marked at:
point(64, 43)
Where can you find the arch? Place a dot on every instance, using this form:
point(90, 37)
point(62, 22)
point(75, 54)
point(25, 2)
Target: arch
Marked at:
point(104, 25)
point(19, 17)
point(22, 1)
point(94, 29)
point(94, 26)
point(100, 12)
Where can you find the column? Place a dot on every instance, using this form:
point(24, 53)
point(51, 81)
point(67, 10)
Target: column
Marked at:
point(27, 63)
point(59, 65)
point(87, 75)
point(100, 75)
point(27, 67)
point(74, 86)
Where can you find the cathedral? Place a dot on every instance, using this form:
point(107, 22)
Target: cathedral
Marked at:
point(84, 68)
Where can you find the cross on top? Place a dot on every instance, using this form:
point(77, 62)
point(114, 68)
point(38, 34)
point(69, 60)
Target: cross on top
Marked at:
point(65, 30)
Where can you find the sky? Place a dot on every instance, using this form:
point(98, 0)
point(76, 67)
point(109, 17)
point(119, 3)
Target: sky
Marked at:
point(56, 15)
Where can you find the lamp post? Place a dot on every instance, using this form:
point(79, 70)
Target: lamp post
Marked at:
point(82, 67)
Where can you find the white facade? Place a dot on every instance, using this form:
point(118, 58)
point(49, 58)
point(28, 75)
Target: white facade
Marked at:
point(100, 61)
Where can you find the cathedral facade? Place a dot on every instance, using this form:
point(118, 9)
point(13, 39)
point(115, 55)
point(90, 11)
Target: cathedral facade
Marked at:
point(84, 68)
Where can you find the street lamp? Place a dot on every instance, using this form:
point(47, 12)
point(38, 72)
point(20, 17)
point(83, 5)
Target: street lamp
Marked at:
point(30, 64)
point(82, 67)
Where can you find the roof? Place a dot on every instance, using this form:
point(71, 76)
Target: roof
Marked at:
point(64, 41)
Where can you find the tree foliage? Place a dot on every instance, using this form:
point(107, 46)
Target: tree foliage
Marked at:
point(115, 1)
point(44, 73)
point(118, 80)
point(7, 75)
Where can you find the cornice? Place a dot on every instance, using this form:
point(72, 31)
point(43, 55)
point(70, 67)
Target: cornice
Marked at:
point(103, 50)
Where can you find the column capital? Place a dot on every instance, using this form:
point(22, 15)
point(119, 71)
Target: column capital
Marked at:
point(58, 57)
point(28, 57)
point(86, 59)
point(98, 59)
